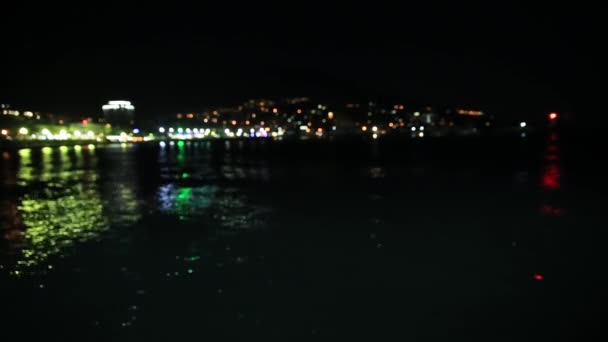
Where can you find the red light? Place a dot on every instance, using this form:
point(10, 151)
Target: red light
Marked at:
point(552, 116)
point(538, 277)
point(85, 122)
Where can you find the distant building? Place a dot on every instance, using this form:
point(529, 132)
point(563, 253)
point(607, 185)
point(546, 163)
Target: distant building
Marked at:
point(119, 113)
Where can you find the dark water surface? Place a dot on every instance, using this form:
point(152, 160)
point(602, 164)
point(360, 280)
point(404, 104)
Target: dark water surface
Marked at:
point(492, 239)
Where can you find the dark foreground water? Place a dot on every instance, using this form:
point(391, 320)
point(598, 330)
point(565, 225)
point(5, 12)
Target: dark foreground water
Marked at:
point(489, 239)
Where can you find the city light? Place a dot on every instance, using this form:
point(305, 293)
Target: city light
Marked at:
point(364, 128)
point(413, 129)
point(161, 130)
point(90, 134)
point(421, 134)
point(523, 124)
point(552, 116)
point(4, 132)
point(421, 128)
point(118, 105)
point(76, 133)
point(135, 130)
point(375, 129)
point(45, 131)
point(23, 130)
point(375, 136)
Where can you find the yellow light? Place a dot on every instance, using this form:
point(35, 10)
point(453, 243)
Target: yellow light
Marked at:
point(267, 129)
point(320, 130)
point(247, 123)
point(364, 128)
point(233, 122)
point(375, 136)
point(91, 146)
point(390, 124)
point(4, 132)
point(330, 115)
point(275, 110)
point(23, 130)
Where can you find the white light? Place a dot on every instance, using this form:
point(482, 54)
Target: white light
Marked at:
point(421, 134)
point(195, 130)
point(375, 129)
point(180, 130)
point(252, 130)
point(162, 144)
point(4, 132)
point(118, 105)
point(416, 113)
point(522, 124)
point(90, 133)
point(76, 133)
point(303, 128)
point(413, 129)
point(375, 136)
point(421, 128)
point(45, 131)
point(161, 130)
point(188, 130)
point(171, 130)
point(227, 131)
point(23, 130)
point(135, 130)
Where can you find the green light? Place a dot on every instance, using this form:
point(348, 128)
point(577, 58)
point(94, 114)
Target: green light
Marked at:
point(91, 146)
point(180, 130)
point(47, 150)
point(63, 149)
point(25, 152)
point(185, 175)
point(180, 143)
point(23, 130)
point(190, 271)
point(77, 148)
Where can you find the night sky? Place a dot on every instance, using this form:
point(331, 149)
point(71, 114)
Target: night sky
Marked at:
point(514, 59)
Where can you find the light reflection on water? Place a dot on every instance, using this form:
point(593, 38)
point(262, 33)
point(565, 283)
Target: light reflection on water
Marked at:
point(62, 197)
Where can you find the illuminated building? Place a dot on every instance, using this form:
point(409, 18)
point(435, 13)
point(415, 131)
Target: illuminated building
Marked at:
point(119, 113)
point(469, 112)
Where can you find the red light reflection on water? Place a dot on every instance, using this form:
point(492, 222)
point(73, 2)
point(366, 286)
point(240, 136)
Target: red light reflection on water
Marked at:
point(549, 209)
point(551, 177)
point(538, 277)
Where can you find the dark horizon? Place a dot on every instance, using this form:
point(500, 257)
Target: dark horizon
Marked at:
point(514, 60)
